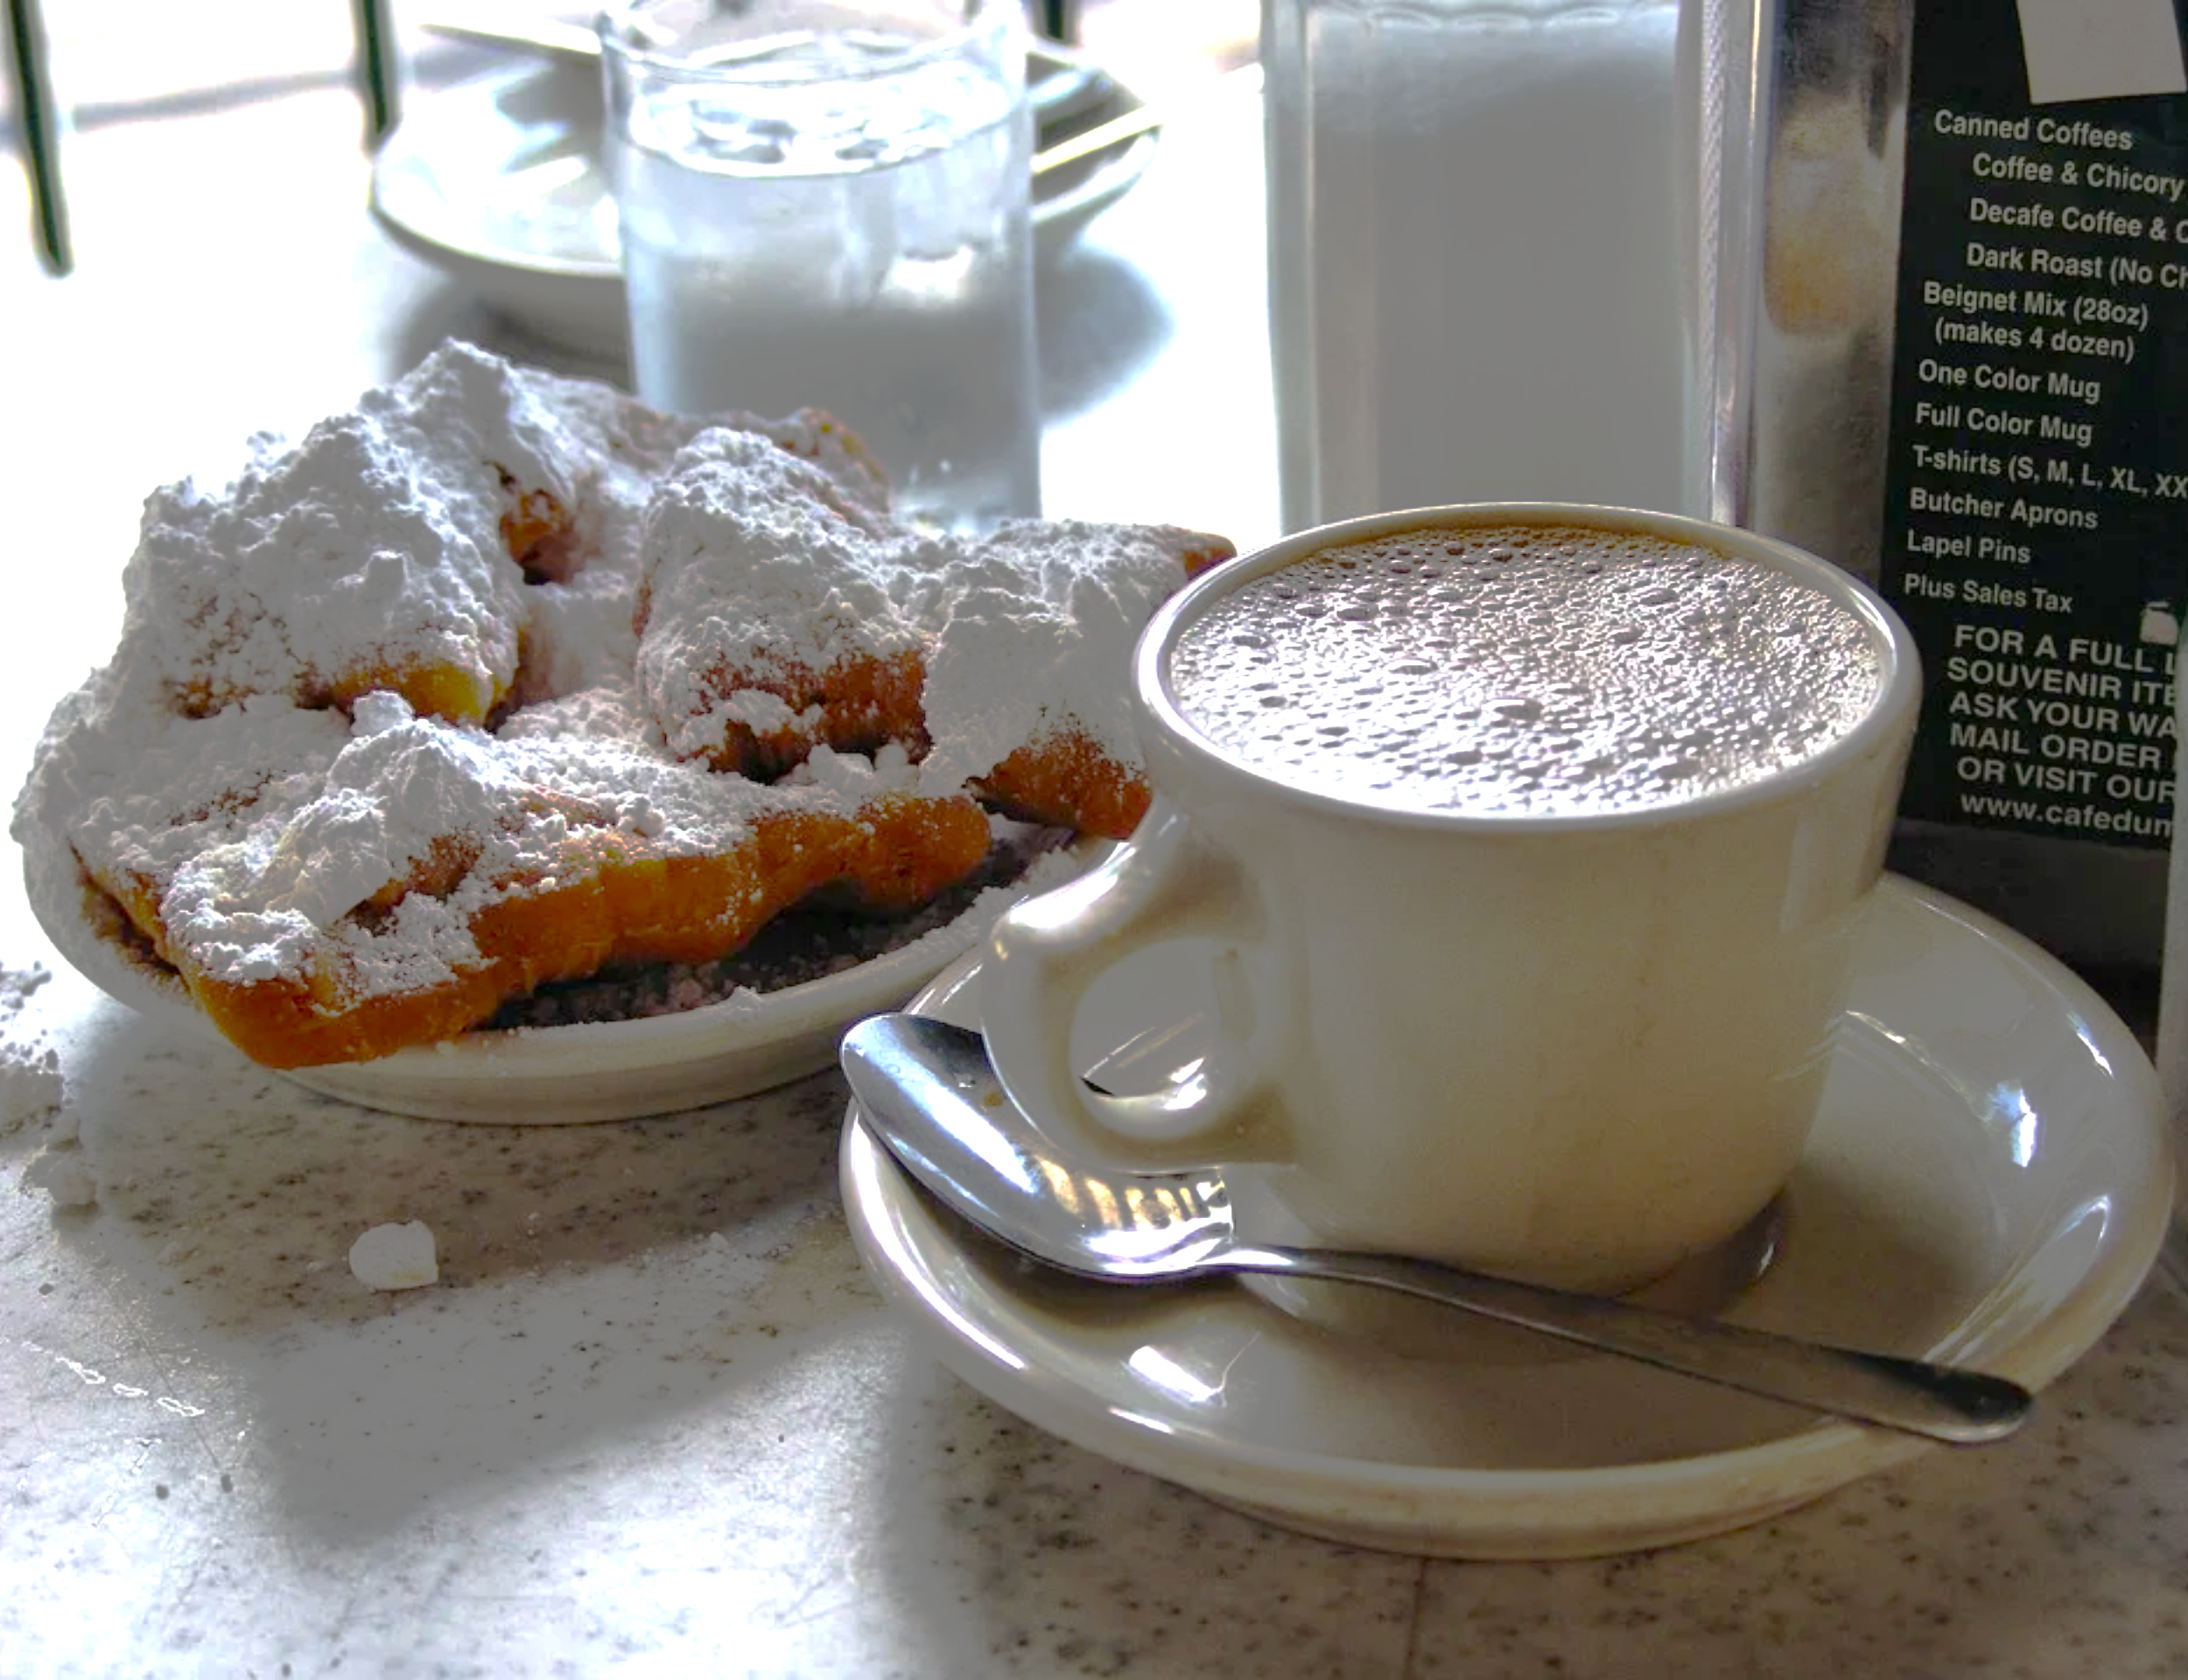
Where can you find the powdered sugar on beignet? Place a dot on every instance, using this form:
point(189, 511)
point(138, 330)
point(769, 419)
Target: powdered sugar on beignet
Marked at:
point(765, 622)
point(774, 618)
point(369, 554)
point(1031, 636)
point(353, 889)
point(453, 699)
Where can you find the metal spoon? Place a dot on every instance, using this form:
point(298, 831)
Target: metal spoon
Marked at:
point(931, 1097)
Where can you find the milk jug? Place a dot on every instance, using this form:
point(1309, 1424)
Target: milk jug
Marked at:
point(1482, 227)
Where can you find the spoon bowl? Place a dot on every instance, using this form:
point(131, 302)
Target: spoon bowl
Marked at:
point(931, 1097)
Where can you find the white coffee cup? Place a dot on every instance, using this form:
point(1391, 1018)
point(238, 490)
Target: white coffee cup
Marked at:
point(1575, 1045)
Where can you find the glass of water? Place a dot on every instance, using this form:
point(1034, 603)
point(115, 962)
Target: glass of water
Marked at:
point(828, 206)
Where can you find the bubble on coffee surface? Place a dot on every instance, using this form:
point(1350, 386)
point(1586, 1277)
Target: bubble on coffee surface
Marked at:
point(1524, 670)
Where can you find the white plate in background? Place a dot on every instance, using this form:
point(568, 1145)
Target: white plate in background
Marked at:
point(497, 181)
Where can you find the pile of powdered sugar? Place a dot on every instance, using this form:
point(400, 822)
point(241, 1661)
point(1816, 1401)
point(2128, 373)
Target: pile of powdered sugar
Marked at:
point(250, 758)
point(375, 543)
point(1033, 631)
point(346, 810)
point(754, 561)
point(395, 1257)
point(30, 1083)
point(34, 1091)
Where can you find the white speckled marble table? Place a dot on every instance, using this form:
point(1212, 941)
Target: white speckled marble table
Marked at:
point(654, 1419)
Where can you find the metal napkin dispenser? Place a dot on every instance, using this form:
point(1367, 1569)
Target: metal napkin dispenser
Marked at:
point(1945, 258)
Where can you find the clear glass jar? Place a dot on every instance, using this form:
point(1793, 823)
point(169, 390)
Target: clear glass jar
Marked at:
point(1482, 239)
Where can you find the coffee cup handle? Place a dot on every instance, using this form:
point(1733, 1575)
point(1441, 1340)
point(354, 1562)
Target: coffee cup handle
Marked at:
point(1046, 952)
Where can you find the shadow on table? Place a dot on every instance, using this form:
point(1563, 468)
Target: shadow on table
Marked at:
point(1100, 324)
point(239, 1192)
point(599, 1283)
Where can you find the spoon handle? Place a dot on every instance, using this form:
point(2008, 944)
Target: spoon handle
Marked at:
point(1913, 1396)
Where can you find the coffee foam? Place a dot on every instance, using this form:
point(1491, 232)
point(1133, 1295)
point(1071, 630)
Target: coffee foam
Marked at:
point(1525, 671)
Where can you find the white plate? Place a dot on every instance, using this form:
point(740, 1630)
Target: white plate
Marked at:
point(606, 1070)
point(1989, 1182)
point(497, 180)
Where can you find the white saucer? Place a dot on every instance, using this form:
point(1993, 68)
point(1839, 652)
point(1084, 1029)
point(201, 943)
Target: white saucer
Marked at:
point(1989, 1182)
point(557, 1075)
point(497, 181)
